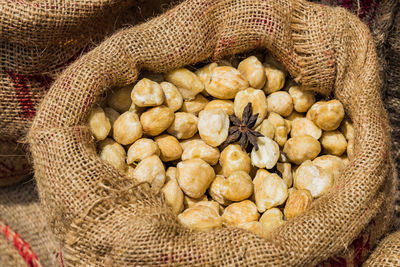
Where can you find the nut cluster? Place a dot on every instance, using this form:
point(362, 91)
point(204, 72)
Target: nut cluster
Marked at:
point(241, 146)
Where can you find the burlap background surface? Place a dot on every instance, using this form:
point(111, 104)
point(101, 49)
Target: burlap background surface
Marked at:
point(104, 218)
point(387, 253)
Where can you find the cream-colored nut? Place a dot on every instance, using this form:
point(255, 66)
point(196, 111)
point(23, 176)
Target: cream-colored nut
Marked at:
point(240, 212)
point(254, 226)
point(233, 159)
point(294, 115)
point(303, 126)
point(225, 82)
point(225, 105)
point(199, 149)
point(253, 70)
point(194, 106)
point(213, 126)
point(156, 120)
point(281, 126)
point(173, 196)
point(211, 204)
point(313, 178)
point(275, 79)
point(151, 169)
point(113, 153)
point(200, 218)
point(327, 115)
point(298, 202)
point(330, 163)
point(127, 128)
point(184, 143)
point(99, 124)
point(280, 102)
point(269, 190)
point(270, 220)
point(267, 154)
point(112, 116)
point(142, 149)
point(194, 176)
point(266, 128)
point(136, 109)
point(129, 170)
point(170, 174)
point(350, 149)
point(347, 129)
point(291, 191)
point(258, 100)
point(215, 190)
point(204, 73)
point(173, 98)
point(238, 186)
point(286, 171)
point(169, 147)
point(184, 126)
point(120, 99)
point(147, 93)
point(302, 99)
point(344, 158)
point(301, 148)
point(188, 83)
point(333, 143)
point(189, 202)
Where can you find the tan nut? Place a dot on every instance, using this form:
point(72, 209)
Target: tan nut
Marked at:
point(258, 100)
point(275, 79)
point(173, 196)
point(253, 70)
point(120, 99)
point(313, 178)
point(199, 149)
point(169, 147)
point(204, 73)
point(238, 186)
point(302, 99)
point(129, 170)
point(327, 115)
point(142, 149)
point(194, 176)
point(347, 129)
point(99, 124)
point(280, 102)
point(266, 128)
point(286, 171)
point(271, 220)
point(301, 148)
point(213, 126)
point(113, 153)
point(350, 149)
point(151, 170)
point(200, 218)
point(211, 204)
point(215, 190)
point(225, 82)
point(330, 163)
point(233, 159)
point(112, 116)
point(194, 106)
point(269, 190)
point(281, 126)
point(298, 202)
point(170, 174)
point(184, 126)
point(173, 98)
point(225, 105)
point(240, 212)
point(147, 93)
point(189, 202)
point(127, 128)
point(188, 84)
point(303, 126)
point(267, 154)
point(156, 120)
point(294, 115)
point(254, 226)
point(333, 143)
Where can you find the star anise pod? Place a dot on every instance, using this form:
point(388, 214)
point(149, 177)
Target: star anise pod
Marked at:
point(241, 129)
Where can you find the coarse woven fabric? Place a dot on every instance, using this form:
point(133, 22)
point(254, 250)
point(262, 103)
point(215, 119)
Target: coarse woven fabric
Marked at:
point(102, 217)
point(38, 39)
point(387, 253)
point(23, 226)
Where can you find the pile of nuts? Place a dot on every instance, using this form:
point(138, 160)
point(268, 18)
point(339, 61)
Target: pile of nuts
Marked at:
point(180, 133)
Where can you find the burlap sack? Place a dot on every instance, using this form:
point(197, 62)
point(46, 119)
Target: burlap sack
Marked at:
point(102, 217)
point(387, 253)
point(25, 237)
point(38, 39)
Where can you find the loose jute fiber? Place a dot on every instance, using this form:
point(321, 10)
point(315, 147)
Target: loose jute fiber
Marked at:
point(102, 217)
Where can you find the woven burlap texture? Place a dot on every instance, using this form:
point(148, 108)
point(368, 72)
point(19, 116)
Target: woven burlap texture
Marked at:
point(9, 256)
point(21, 212)
point(387, 253)
point(102, 217)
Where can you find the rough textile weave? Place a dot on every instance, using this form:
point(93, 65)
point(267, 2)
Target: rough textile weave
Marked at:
point(102, 217)
point(387, 253)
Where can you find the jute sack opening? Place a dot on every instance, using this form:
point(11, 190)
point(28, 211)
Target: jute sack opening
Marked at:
point(102, 217)
point(387, 253)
